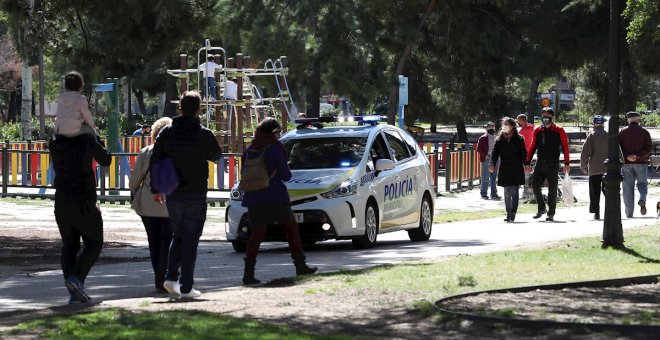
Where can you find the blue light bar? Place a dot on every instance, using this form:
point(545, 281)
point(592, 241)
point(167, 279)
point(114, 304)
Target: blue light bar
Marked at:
point(372, 120)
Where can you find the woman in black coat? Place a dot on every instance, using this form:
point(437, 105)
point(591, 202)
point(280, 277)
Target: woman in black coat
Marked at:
point(510, 147)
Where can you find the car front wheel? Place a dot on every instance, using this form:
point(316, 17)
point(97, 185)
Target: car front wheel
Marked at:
point(239, 246)
point(368, 240)
point(423, 232)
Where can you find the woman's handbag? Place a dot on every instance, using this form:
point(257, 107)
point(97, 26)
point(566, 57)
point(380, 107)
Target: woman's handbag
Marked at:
point(137, 197)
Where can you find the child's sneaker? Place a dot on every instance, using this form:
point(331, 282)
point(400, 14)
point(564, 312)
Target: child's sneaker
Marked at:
point(194, 293)
point(172, 287)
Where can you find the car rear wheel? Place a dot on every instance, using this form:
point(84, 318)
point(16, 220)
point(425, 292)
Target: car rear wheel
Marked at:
point(368, 240)
point(239, 246)
point(423, 232)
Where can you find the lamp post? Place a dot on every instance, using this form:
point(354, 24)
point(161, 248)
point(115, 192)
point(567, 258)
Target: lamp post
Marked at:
point(612, 229)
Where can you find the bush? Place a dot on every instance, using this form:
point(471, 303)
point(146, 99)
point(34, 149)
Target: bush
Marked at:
point(12, 130)
point(652, 119)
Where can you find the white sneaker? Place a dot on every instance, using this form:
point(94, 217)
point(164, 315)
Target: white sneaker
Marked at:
point(194, 293)
point(172, 287)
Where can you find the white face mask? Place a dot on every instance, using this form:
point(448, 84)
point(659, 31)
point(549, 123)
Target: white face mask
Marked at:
point(506, 129)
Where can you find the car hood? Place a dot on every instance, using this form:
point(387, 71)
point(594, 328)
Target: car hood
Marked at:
point(305, 183)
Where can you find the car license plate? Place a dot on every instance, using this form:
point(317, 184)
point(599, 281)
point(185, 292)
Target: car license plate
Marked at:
point(299, 217)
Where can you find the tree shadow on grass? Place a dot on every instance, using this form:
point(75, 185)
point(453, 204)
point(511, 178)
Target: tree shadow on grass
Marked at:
point(644, 259)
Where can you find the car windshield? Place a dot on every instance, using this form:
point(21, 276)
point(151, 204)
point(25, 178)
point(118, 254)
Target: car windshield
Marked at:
point(325, 153)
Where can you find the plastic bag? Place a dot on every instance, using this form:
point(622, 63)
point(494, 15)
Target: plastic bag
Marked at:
point(567, 190)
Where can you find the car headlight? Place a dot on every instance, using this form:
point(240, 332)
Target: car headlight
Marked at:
point(345, 189)
point(236, 194)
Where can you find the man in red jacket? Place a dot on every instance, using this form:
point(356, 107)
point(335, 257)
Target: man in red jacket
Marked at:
point(527, 131)
point(547, 139)
point(636, 145)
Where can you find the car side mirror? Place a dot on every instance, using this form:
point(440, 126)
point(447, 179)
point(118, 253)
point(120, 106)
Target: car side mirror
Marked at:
point(384, 164)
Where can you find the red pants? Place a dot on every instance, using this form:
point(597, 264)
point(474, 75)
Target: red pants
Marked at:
point(257, 234)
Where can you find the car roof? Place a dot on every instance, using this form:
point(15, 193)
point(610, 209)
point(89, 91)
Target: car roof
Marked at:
point(335, 131)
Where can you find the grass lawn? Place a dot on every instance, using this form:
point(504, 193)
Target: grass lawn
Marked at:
point(571, 260)
point(452, 215)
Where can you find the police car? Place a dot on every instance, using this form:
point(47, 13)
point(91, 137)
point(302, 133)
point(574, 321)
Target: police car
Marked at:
point(349, 182)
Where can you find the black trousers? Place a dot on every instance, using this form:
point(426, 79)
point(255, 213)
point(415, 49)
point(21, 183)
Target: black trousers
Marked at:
point(595, 188)
point(543, 172)
point(159, 234)
point(76, 220)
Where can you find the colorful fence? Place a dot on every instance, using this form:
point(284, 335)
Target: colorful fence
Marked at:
point(33, 169)
point(27, 164)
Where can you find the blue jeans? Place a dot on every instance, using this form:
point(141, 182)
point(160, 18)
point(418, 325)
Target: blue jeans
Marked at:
point(488, 179)
point(187, 216)
point(511, 200)
point(632, 172)
point(211, 86)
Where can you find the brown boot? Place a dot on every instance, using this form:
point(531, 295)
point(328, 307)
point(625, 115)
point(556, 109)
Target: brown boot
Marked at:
point(248, 272)
point(301, 264)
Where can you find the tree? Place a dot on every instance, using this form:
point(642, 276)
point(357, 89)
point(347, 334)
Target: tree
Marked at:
point(327, 44)
point(643, 34)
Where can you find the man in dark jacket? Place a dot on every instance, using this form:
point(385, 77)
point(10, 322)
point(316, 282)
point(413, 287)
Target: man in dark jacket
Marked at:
point(547, 139)
point(636, 145)
point(76, 211)
point(191, 147)
point(485, 151)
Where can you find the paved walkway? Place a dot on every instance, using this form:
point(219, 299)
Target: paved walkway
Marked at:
point(218, 266)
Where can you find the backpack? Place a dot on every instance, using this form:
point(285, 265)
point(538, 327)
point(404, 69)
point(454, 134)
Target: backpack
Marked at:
point(164, 177)
point(254, 175)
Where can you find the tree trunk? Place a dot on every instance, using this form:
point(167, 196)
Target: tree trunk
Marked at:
point(171, 93)
point(531, 99)
point(139, 95)
point(314, 89)
point(461, 131)
point(26, 105)
point(14, 104)
point(434, 127)
point(129, 102)
point(393, 100)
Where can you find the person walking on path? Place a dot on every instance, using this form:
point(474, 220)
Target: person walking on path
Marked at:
point(547, 140)
point(592, 163)
point(485, 149)
point(153, 214)
point(510, 148)
point(527, 132)
point(190, 147)
point(76, 211)
point(636, 145)
point(271, 205)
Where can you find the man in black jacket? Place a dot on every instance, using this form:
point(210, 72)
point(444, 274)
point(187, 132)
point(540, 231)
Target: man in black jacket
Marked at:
point(76, 210)
point(547, 140)
point(191, 147)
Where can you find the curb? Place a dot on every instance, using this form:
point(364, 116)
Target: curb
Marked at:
point(549, 323)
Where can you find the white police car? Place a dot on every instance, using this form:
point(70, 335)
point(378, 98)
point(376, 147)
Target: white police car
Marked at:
point(349, 182)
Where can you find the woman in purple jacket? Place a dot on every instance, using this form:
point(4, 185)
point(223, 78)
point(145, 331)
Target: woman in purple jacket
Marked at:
point(271, 205)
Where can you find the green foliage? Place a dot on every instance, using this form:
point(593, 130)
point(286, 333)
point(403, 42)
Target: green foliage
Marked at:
point(643, 34)
point(12, 131)
point(650, 120)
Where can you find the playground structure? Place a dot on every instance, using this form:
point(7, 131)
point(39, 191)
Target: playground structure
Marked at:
point(233, 116)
